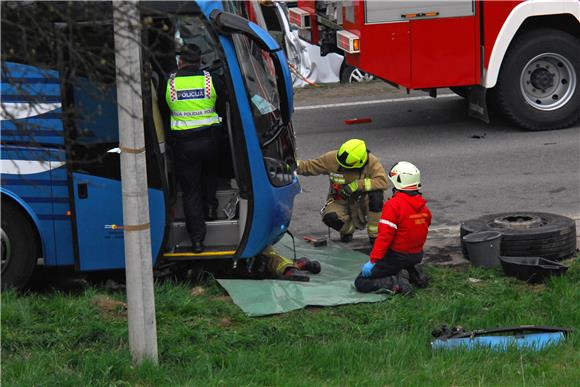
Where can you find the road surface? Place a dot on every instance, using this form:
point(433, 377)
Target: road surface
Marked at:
point(468, 168)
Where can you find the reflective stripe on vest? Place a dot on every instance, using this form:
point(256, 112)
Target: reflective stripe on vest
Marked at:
point(192, 101)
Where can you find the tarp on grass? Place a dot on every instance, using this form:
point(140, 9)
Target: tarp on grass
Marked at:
point(333, 286)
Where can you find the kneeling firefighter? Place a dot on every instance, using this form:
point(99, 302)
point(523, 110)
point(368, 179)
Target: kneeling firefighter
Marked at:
point(404, 225)
point(355, 196)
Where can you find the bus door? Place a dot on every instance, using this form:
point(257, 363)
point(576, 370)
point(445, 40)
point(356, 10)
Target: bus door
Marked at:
point(93, 151)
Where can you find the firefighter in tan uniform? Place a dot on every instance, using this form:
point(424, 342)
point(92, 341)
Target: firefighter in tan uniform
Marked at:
point(357, 182)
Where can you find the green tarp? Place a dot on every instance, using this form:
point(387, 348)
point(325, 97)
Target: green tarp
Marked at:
point(333, 286)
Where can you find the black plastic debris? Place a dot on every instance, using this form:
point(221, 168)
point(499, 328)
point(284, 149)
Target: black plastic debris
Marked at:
point(531, 269)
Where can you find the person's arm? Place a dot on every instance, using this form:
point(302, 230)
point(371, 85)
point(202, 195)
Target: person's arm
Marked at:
point(221, 94)
point(386, 232)
point(319, 166)
point(162, 102)
point(377, 181)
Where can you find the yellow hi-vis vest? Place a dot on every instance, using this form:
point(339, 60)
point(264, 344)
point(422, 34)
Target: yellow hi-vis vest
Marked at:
point(192, 101)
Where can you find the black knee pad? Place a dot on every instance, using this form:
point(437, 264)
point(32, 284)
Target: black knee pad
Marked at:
point(332, 221)
point(376, 201)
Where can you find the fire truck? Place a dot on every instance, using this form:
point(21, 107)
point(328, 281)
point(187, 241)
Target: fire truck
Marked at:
point(521, 56)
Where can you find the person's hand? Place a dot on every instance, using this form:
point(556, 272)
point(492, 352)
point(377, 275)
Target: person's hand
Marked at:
point(367, 268)
point(348, 190)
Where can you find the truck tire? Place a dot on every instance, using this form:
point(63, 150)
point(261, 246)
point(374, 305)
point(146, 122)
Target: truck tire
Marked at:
point(538, 84)
point(19, 246)
point(528, 234)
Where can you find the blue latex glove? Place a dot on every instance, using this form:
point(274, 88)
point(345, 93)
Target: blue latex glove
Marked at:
point(367, 268)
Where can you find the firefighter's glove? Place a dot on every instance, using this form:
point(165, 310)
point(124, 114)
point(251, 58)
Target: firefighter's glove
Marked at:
point(367, 268)
point(350, 190)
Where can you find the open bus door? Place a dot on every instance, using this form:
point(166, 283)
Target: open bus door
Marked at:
point(93, 154)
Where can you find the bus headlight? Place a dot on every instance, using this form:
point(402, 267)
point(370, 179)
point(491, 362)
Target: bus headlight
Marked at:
point(279, 172)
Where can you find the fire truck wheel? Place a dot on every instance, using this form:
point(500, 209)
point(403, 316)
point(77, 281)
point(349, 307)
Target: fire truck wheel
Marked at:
point(351, 74)
point(538, 85)
point(531, 234)
point(19, 246)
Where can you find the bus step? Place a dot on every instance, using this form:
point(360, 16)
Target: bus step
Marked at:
point(183, 253)
point(219, 233)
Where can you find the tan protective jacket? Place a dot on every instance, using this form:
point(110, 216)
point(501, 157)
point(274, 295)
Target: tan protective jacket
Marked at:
point(371, 177)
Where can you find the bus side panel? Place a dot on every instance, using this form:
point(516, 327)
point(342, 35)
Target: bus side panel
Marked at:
point(26, 173)
point(63, 237)
point(99, 218)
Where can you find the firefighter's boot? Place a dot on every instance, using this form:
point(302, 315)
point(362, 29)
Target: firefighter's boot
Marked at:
point(309, 265)
point(346, 232)
point(282, 267)
point(403, 282)
point(418, 277)
point(395, 283)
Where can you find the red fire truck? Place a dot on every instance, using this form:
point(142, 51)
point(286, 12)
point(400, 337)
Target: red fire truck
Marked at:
point(524, 56)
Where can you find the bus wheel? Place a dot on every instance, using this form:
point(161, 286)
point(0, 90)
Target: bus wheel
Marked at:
point(19, 247)
point(538, 86)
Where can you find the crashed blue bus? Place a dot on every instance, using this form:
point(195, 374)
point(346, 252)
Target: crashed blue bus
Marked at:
point(60, 175)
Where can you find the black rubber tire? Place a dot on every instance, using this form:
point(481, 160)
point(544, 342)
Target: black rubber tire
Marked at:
point(23, 246)
point(555, 239)
point(508, 94)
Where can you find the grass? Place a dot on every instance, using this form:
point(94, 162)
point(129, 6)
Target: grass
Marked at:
point(204, 339)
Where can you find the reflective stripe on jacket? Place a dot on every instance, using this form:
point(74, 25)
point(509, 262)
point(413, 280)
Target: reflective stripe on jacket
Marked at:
point(191, 100)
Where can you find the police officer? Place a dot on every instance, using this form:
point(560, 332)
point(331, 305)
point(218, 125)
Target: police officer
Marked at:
point(191, 97)
point(355, 196)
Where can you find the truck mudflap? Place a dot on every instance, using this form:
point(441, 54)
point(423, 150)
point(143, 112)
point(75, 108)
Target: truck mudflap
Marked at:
point(477, 103)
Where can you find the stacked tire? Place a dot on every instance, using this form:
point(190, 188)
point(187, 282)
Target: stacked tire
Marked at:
point(550, 236)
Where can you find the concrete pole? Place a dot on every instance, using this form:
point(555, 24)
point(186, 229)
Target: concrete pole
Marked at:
point(138, 262)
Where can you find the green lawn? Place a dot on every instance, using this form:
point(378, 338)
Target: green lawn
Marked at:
point(204, 339)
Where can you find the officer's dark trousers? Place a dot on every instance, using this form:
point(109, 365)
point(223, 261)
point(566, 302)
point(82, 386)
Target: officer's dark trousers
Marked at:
point(195, 160)
point(391, 264)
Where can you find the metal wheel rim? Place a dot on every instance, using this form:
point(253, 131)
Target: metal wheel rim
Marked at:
point(548, 81)
point(6, 249)
point(518, 221)
point(359, 76)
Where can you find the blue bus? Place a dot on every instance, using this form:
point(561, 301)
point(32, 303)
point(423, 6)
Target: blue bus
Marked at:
point(60, 175)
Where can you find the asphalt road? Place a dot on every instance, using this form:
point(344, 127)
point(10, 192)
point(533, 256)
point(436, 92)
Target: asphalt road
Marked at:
point(468, 168)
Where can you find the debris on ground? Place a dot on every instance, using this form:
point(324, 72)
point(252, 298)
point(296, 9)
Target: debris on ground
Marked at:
point(225, 323)
point(354, 121)
point(110, 307)
point(197, 291)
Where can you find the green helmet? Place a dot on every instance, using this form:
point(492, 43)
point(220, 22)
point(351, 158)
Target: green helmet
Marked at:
point(352, 154)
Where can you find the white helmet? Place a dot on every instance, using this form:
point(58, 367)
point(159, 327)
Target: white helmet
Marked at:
point(405, 176)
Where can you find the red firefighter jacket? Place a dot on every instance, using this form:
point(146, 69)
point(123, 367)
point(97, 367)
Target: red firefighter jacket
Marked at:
point(403, 226)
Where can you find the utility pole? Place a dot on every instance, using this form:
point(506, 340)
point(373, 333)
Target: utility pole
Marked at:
point(137, 230)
